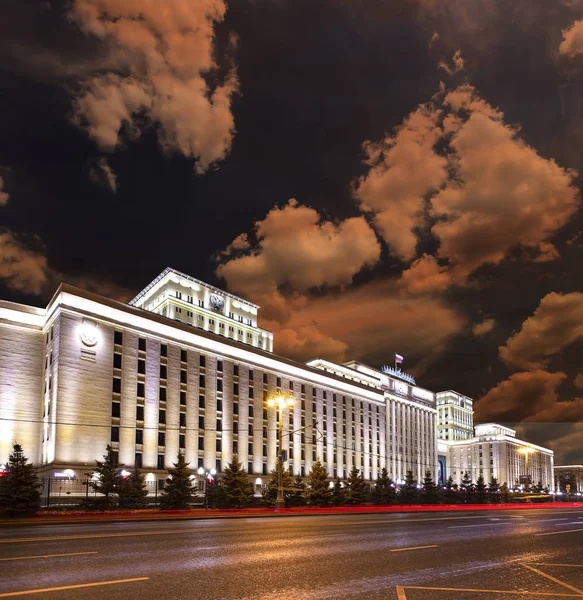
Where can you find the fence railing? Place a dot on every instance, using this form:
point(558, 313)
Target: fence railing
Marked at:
point(63, 492)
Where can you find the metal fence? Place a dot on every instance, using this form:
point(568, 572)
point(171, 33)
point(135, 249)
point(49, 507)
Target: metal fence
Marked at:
point(61, 493)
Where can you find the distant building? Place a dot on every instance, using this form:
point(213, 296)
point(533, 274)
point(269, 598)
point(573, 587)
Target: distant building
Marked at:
point(571, 475)
point(494, 451)
point(455, 416)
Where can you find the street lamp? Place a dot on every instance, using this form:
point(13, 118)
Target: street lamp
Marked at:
point(208, 475)
point(526, 451)
point(281, 401)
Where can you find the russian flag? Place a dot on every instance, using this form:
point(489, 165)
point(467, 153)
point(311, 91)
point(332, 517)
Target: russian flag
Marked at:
point(398, 358)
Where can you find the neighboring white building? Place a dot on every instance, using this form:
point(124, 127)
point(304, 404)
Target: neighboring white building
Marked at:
point(455, 416)
point(495, 451)
point(88, 371)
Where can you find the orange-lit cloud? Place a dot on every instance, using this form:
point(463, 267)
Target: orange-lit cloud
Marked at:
point(404, 168)
point(572, 43)
point(4, 197)
point(556, 323)
point(156, 56)
point(531, 395)
point(483, 327)
point(24, 269)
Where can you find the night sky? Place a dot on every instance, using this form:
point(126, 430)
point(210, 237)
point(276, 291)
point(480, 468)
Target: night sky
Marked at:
point(379, 176)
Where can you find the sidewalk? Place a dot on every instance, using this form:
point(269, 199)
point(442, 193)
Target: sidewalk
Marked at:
point(44, 518)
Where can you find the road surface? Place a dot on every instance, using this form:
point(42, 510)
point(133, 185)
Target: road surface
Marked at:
point(428, 556)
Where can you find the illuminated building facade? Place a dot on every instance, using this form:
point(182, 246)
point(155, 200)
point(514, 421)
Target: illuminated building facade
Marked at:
point(153, 381)
point(455, 416)
point(494, 451)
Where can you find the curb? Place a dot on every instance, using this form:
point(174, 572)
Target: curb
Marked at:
point(170, 515)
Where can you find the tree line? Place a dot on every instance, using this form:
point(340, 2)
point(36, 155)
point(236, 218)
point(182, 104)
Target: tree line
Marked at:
point(20, 489)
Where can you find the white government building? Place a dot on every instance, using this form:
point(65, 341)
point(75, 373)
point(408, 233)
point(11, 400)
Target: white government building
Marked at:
point(490, 450)
point(185, 367)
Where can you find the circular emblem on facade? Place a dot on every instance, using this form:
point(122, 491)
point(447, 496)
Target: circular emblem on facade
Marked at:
point(89, 335)
point(217, 302)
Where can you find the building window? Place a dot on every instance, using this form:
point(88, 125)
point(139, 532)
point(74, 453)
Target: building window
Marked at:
point(219, 405)
point(116, 388)
point(140, 390)
point(219, 385)
point(202, 360)
point(236, 370)
point(183, 376)
point(182, 398)
point(182, 419)
point(219, 425)
point(161, 438)
point(251, 393)
point(139, 436)
point(115, 409)
point(235, 408)
point(160, 461)
point(220, 366)
point(235, 389)
point(201, 401)
point(163, 350)
point(138, 460)
point(183, 355)
point(162, 416)
point(163, 372)
point(116, 361)
point(201, 422)
point(162, 394)
point(201, 443)
point(219, 445)
point(201, 381)
point(142, 344)
point(251, 412)
point(139, 413)
point(250, 449)
point(115, 434)
point(182, 441)
point(118, 338)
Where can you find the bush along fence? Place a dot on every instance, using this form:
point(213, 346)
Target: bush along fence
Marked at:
point(111, 486)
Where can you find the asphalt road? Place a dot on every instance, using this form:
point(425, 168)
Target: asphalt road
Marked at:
point(522, 553)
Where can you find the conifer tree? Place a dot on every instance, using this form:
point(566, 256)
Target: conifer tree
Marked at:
point(132, 490)
point(298, 495)
point(338, 493)
point(318, 492)
point(20, 489)
point(505, 493)
point(270, 492)
point(481, 490)
point(106, 479)
point(355, 492)
point(384, 490)
point(235, 482)
point(450, 495)
point(430, 492)
point(408, 494)
point(466, 487)
point(178, 488)
point(494, 491)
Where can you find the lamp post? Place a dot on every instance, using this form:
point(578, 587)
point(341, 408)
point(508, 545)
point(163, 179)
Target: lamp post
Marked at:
point(281, 401)
point(207, 475)
point(526, 451)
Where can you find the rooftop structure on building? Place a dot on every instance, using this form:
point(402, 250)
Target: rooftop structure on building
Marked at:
point(188, 300)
